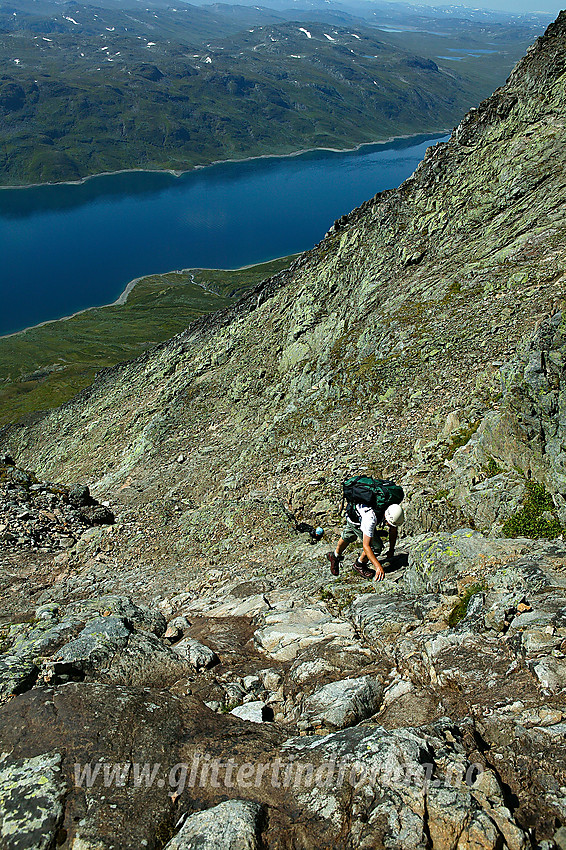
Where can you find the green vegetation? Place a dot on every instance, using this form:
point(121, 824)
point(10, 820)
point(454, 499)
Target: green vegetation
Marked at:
point(460, 609)
point(89, 90)
point(491, 468)
point(461, 438)
point(46, 365)
point(537, 517)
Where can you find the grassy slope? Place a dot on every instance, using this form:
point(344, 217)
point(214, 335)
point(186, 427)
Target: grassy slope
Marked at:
point(46, 365)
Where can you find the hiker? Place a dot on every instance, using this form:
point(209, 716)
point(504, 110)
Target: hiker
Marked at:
point(370, 503)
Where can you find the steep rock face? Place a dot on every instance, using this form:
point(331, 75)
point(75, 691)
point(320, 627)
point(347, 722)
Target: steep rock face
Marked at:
point(402, 314)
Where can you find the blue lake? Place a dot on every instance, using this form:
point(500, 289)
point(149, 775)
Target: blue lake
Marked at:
point(67, 247)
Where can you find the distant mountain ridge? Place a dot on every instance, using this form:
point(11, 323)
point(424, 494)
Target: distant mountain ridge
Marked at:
point(88, 90)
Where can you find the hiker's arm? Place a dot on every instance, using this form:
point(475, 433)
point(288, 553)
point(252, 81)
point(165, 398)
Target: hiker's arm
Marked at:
point(379, 571)
point(392, 539)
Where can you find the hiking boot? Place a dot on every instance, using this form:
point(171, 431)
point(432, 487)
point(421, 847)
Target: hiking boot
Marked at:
point(363, 569)
point(335, 562)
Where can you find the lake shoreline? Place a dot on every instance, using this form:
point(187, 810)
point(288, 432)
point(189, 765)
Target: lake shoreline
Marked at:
point(224, 261)
point(179, 173)
point(123, 297)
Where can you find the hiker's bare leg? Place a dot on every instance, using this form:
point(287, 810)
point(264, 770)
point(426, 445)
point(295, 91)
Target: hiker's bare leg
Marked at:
point(340, 547)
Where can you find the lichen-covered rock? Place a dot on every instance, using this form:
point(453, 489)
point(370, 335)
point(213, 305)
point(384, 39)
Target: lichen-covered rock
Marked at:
point(92, 649)
point(529, 433)
point(46, 637)
point(436, 561)
point(233, 825)
point(32, 793)
point(79, 496)
point(17, 674)
point(138, 615)
point(491, 502)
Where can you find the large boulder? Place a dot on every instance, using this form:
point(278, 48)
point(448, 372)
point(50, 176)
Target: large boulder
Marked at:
point(436, 561)
point(233, 825)
point(344, 703)
point(92, 650)
point(137, 615)
point(126, 760)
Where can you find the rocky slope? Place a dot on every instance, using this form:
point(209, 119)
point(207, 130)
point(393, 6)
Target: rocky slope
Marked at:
point(423, 338)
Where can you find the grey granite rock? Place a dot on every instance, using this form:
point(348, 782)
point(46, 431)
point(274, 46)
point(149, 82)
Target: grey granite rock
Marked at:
point(254, 711)
point(551, 673)
point(176, 628)
point(233, 825)
point(284, 633)
point(406, 788)
point(200, 657)
point(383, 617)
point(344, 703)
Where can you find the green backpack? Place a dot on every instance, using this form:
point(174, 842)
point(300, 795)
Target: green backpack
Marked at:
point(376, 493)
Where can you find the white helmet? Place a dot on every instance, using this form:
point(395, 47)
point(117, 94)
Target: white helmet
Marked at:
point(395, 515)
